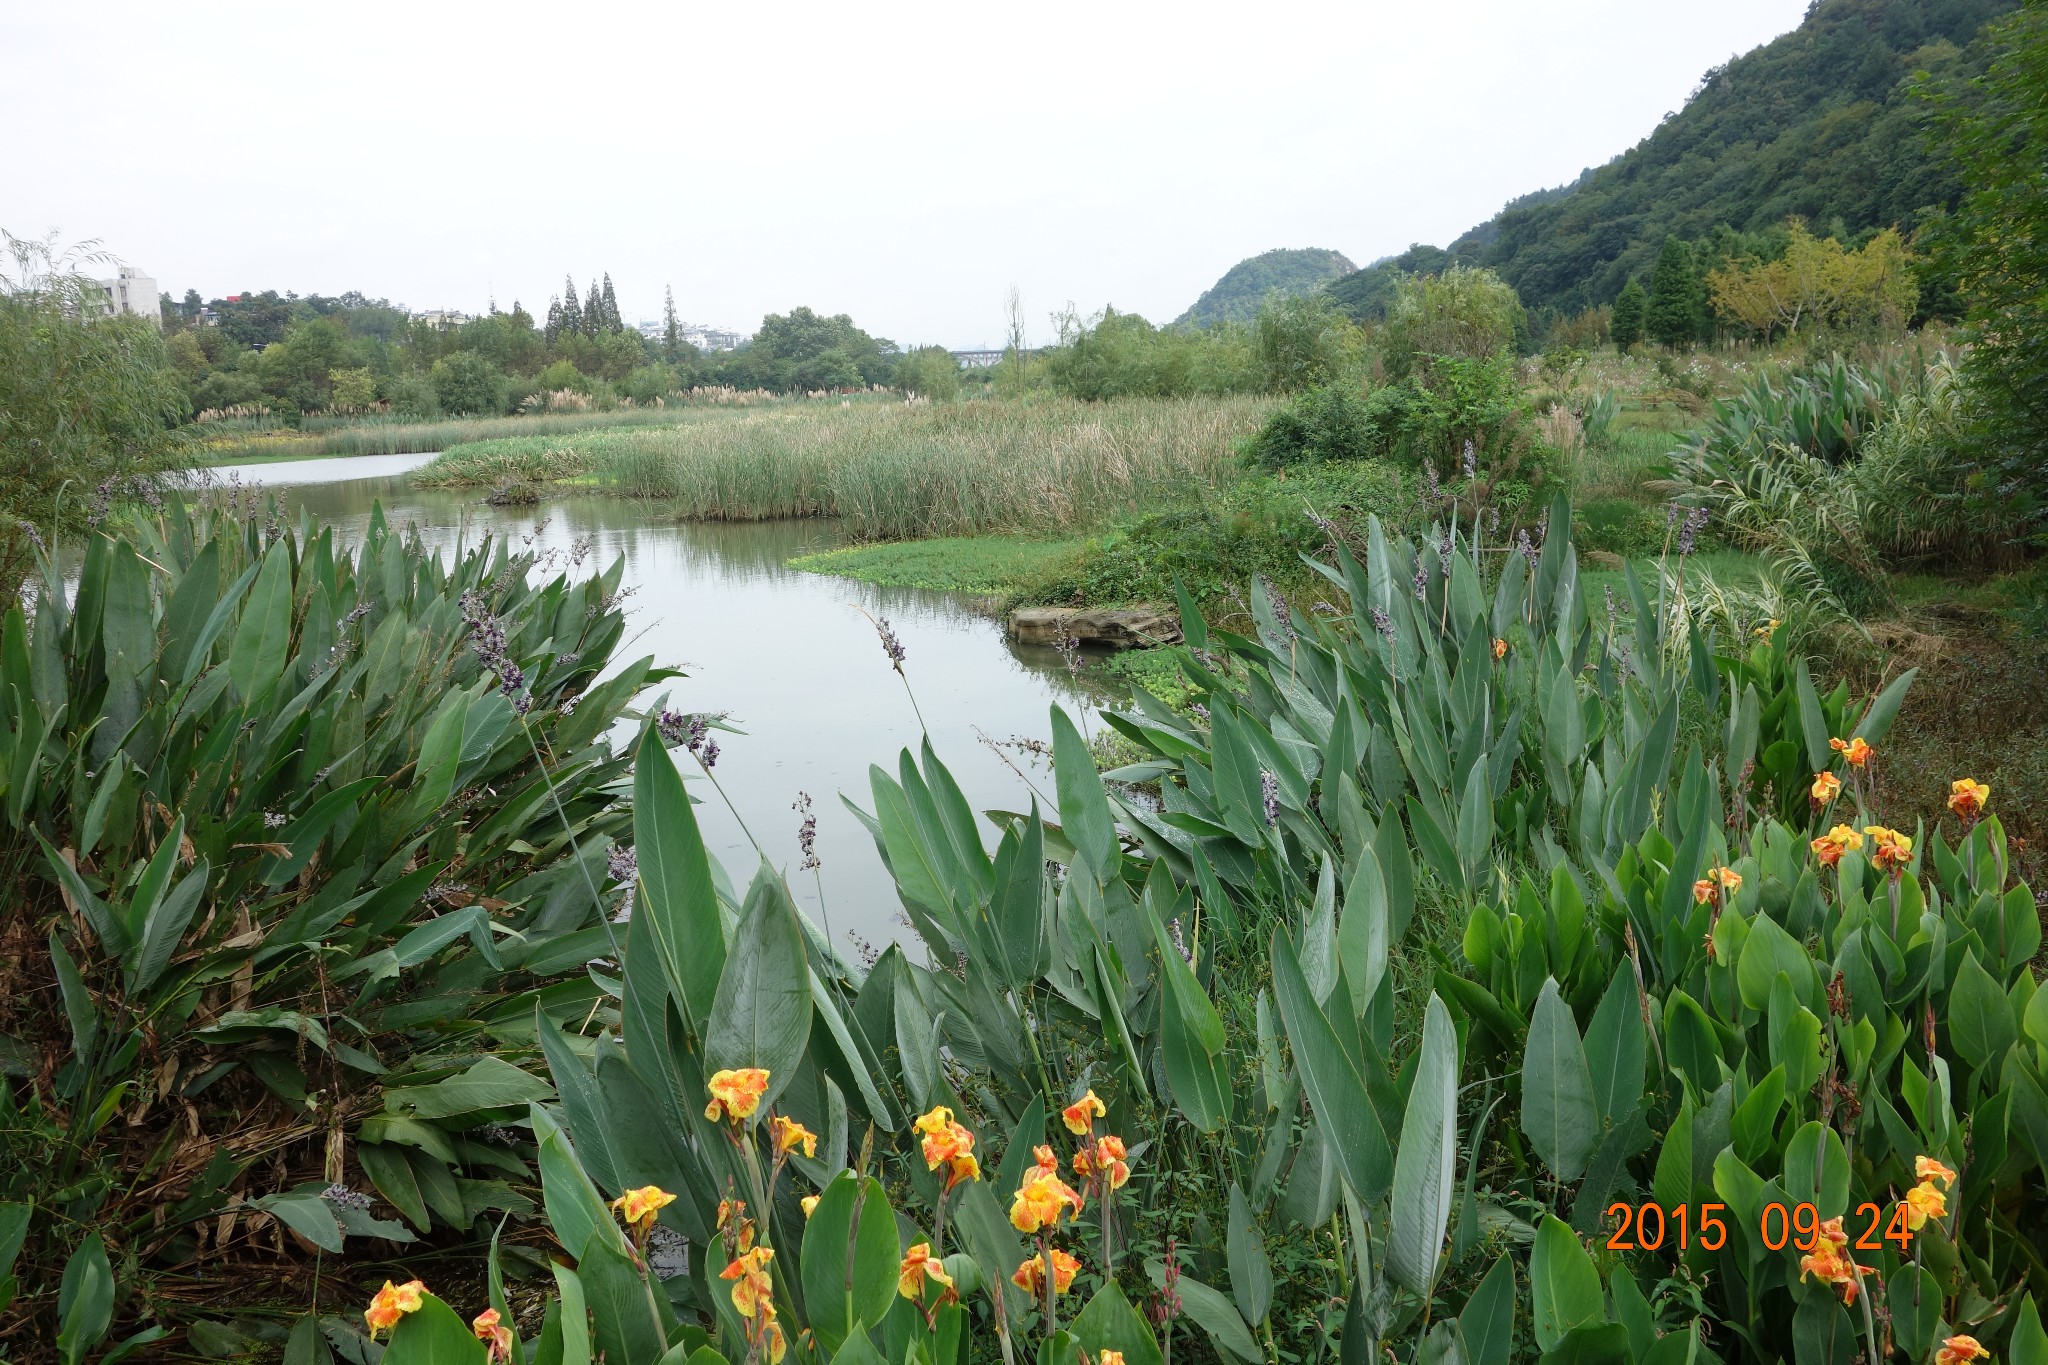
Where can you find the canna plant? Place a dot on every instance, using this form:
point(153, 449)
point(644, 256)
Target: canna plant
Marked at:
point(296, 838)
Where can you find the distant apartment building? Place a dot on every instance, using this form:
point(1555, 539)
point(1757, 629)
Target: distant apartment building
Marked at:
point(696, 333)
point(131, 294)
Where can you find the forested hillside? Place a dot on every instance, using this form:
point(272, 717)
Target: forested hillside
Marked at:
point(1236, 297)
point(1822, 123)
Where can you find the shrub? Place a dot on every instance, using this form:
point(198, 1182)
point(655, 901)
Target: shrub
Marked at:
point(283, 850)
point(1463, 314)
point(929, 372)
point(1329, 423)
point(469, 384)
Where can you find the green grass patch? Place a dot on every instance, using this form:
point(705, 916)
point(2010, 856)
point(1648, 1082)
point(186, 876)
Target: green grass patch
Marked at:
point(1155, 670)
point(989, 565)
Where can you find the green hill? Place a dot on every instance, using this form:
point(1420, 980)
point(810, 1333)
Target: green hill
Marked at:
point(1821, 122)
point(1236, 297)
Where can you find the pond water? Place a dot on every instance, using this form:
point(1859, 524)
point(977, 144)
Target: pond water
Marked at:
point(787, 655)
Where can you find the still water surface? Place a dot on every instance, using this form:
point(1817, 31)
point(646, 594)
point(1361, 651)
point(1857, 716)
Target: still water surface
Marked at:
point(787, 655)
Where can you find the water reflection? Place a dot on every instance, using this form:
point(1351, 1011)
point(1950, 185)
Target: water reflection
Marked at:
point(788, 656)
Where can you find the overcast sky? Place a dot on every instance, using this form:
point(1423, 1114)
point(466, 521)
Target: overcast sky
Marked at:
point(906, 163)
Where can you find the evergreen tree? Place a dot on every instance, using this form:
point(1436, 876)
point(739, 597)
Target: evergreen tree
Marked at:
point(1626, 326)
point(671, 326)
point(554, 327)
point(572, 312)
point(593, 312)
point(612, 321)
point(1677, 305)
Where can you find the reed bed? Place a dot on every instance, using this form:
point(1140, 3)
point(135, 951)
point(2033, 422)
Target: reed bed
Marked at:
point(898, 472)
point(375, 436)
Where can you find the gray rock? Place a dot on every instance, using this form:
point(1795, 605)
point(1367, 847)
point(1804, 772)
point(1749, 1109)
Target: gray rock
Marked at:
point(1117, 627)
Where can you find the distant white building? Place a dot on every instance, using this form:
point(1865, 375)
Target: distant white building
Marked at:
point(704, 338)
point(132, 294)
point(442, 318)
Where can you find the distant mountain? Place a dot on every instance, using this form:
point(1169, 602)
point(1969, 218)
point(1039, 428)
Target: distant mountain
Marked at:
point(1236, 297)
point(1821, 122)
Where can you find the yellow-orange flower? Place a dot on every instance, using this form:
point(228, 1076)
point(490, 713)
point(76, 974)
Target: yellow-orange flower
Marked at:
point(391, 1303)
point(1829, 1264)
point(1030, 1276)
point(772, 1338)
point(1109, 1154)
point(946, 1143)
point(1080, 1116)
point(1500, 649)
point(1889, 849)
point(1856, 750)
point(1704, 890)
point(1830, 847)
point(636, 1208)
point(1040, 1201)
point(1926, 1168)
point(919, 1267)
point(1765, 632)
point(493, 1333)
point(1967, 797)
point(1047, 1163)
point(1826, 787)
point(786, 1134)
point(1923, 1202)
point(1109, 1357)
point(732, 1213)
point(752, 1289)
point(960, 1168)
point(810, 1204)
point(1960, 1351)
point(736, 1093)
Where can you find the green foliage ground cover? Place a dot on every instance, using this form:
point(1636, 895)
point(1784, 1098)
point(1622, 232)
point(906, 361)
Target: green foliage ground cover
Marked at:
point(984, 565)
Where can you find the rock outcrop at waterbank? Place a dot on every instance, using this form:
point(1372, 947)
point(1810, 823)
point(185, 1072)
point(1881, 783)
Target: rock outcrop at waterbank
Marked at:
point(1117, 627)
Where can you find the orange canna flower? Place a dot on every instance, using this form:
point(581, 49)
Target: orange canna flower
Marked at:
point(1857, 750)
point(493, 1334)
point(962, 1168)
point(1030, 1276)
point(1080, 1116)
point(1500, 651)
point(810, 1203)
point(1830, 847)
point(636, 1208)
point(1967, 797)
point(1048, 1164)
point(1960, 1351)
point(736, 1093)
point(1704, 890)
point(752, 1289)
point(1731, 880)
point(391, 1303)
point(786, 1135)
point(946, 1142)
point(772, 1338)
point(1109, 1357)
point(920, 1266)
point(1889, 849)
point(1765, 632)
point(1926, 1168)
point(1108, 1155)
point(1040, 1201)
point(1829, 1264)
point(1826, 787)
point(1923, 1202)
point(732, 1213)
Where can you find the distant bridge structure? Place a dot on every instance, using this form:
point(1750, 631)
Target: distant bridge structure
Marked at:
point(982, 360)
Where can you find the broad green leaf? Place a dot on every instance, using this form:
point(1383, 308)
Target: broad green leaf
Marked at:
point(762, 1013)
point(1558, 1109)
point(1213, 1312)
point(1979, 1015)
point(85, 1300)
point(1109, 1323)
point(574, 1318)
point(1084, 807)
point(1615, 1043)
point(630, 1323)
point(575, 1208)
point(306, 1214)
point(1564, 1287)
point(1767, 951)
point(849, 1258)
point(1366, 930)
point(676, 893)
point(1813, 721)
point(1914, 1298)
point(490, 1083)
point(1251, 1274)
point(2029, 1344)
point(1425, 1162)
point(433, 1335)
point(257, 653)
point(1343, 1111)
point(1488, 1322)
point(164, 927)
point(1475, 823)
point(1877, 720)
point(1192, 1040)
